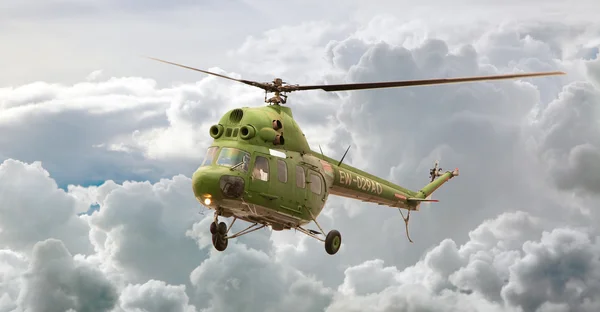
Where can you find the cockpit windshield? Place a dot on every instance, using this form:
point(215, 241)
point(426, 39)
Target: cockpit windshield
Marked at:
point(210, 155)
point(230, 157)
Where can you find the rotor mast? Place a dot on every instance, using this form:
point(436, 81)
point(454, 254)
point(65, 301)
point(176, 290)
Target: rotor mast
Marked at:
point(279, 97)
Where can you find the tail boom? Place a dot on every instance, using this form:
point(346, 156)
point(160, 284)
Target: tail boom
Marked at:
point(350, 182)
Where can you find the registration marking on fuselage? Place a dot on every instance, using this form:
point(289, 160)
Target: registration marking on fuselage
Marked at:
point(360, 183)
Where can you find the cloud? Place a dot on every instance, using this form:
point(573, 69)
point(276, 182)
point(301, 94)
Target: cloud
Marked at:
point(94, 75)
point(233, 277)
point(504, 265)
point(140, 229)
point(12, 264)
point(120, 128)
point(55, 282)
point(407, 137)
point(155, 296)
point(32, 209)
point(568, 139)
point(148, 239)
point(532, 268)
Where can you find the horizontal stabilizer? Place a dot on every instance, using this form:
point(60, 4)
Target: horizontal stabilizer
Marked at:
point(422, 200)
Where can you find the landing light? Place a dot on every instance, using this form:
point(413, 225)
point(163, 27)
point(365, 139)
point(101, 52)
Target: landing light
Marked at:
point(207, 201)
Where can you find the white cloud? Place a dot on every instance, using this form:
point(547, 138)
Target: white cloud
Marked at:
point(569, 142)
point(155, 296)
point(12, 264)
point(151, 245)
point(139, 244)
point(124, 127)
point(32, 209)
point(493, 271)
point(140, 229)
point(94, 75)
point(55, 282)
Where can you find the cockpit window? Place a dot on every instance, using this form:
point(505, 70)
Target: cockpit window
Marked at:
point(234, 157)
point(210, 155)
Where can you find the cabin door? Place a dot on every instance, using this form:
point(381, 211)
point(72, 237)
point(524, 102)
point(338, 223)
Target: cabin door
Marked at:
point(315, 190)
point(261, 174)
point(300, 186)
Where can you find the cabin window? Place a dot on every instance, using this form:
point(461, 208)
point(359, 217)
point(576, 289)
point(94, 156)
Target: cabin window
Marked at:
point(210, 155)
point(315, 184)
point(282, 171)
point(261, 169)
point(300, 182)
point(233, 157)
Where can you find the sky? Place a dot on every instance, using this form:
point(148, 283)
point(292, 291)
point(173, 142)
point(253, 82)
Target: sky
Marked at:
point(87, 121)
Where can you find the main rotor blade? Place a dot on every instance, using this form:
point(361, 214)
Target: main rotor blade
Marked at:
point(407, 83)
point(248, 82)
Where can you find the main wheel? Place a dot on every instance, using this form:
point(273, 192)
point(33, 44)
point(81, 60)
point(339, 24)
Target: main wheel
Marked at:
point(219, 242)
point(333, 241)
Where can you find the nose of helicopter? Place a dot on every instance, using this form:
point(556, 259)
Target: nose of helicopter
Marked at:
point(212, 184)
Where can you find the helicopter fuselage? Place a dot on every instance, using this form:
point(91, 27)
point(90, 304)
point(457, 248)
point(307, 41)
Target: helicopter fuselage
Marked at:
point(260, 169)
point(280, 188)
point(247, 172)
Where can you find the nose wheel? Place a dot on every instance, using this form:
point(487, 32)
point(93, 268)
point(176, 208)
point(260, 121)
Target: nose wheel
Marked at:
point(219, 233)
point(219, 238)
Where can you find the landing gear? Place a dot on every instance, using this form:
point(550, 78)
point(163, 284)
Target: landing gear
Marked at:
point(219, 234)
point(220, 241)
point(219, 231)
point(333, 241)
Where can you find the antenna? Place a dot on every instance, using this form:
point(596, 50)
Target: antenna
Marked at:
point(341, 160)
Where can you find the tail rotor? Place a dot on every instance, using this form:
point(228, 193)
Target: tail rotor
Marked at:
point(435, 172)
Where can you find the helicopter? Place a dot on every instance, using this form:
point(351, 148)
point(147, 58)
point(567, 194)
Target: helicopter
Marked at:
point(261, 170)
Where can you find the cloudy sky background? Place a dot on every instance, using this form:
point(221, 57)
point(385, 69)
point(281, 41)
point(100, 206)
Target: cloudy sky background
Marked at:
point(84, 120)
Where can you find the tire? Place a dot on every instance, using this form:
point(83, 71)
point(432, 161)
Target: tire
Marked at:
point(219, 242)
point(333, 242)
point(222, 228)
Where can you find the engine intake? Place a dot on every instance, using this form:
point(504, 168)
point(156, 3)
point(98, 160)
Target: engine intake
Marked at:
point(247, 132)
point(216, 131)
